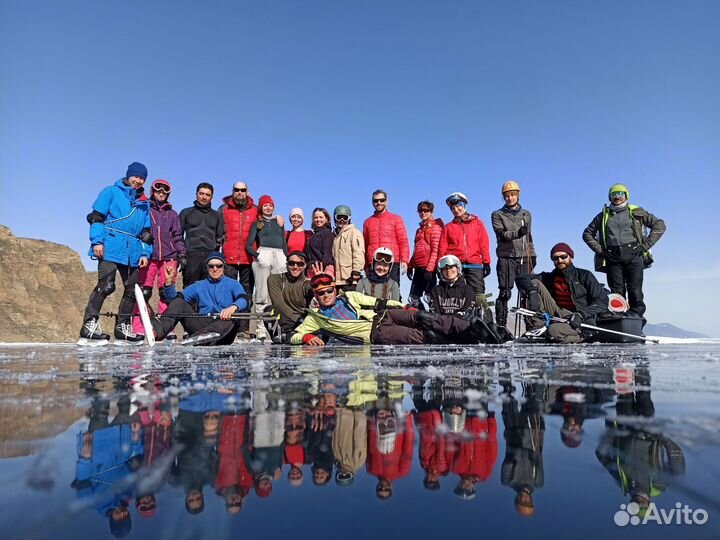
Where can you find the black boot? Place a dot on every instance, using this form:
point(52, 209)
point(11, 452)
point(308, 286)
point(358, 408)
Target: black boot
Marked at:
point(480, 332)
point(91, 330)
point(423, 319)
point(433, 338)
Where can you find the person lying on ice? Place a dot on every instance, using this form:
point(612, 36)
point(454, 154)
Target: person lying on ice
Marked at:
point(568, 292)
point(353, 317)
point(215, 294)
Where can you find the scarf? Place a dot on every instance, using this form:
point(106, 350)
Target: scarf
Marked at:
point(619, 207)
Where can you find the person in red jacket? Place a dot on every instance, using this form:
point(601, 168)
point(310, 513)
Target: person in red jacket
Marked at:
point(390, 446)
point(234, 477)
point(422, 265)
point(466, 238)
point(237, 214)
point(384, 228)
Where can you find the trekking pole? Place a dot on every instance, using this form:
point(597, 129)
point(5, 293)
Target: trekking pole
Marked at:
point(239, 316)
point(528, 313)
point(517, 306)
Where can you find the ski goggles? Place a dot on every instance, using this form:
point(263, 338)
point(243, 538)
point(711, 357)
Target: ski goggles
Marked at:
point(162, 187)
point(342, 217)
point(446, 263)
point(321, 282)
point(383, 258)
point(618, 195)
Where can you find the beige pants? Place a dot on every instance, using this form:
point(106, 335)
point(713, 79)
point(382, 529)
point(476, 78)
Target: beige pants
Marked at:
point(269, 261)
point(557, 331)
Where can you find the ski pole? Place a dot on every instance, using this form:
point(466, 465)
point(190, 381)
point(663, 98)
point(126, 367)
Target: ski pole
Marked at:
point(529, 313)
point(256, 316)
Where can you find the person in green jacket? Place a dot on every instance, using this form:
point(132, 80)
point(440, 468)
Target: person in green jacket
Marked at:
point(622, 250)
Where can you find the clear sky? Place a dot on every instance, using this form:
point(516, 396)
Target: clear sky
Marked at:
point(317, 103)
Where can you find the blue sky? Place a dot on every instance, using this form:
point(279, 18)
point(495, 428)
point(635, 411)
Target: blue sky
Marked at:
point(318, 103)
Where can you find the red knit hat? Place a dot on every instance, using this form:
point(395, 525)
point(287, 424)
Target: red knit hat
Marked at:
point(564, 248)
point(266, 199)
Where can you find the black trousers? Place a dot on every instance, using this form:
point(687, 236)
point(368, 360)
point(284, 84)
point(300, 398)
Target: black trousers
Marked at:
point(106, 285)
point(243, 274)
point(625, 274)
point(419, 285)
point(175, 313)
point(508, 268)
point(398, 327)
point(196, 268)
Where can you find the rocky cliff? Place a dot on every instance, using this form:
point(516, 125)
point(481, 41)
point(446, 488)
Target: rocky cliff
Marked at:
point(44, 288)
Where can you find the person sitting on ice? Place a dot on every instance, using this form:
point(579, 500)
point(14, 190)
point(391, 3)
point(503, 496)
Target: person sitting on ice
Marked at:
point(216, 294)
point(452, 296)
point(572, 293)
point(353, 317)
point(378, 282)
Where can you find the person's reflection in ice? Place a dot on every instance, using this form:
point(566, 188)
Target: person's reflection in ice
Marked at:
point(196, 430)
point(349, 440)
point(107, 454)
point(642, 461)
point(471, 436)
point(427, 398)
point(322, 425)
point(295, 444)
point(235, 479)
point(391, 434)
point(268, 430)
point(522, 468)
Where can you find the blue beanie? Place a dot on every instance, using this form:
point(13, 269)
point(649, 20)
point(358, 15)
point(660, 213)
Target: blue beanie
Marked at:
point(136, 169)
point(215, 255)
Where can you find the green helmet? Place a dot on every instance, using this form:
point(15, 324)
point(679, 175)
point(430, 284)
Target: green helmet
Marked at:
point(342, 210)
point(619, 187)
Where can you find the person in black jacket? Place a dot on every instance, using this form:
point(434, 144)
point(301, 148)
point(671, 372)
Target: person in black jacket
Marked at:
point(568, 292)
point(201, 227)
point(452, 296)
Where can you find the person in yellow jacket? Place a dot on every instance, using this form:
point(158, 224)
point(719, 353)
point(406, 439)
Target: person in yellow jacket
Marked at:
point(353, 317)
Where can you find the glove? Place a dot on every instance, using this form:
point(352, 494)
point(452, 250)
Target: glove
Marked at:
point(522, 231)
point(533, 300)
point(575, 320)
point(486, 270)
point(355, 276)
point(182, 263)
point(428, 276)
point(410, 273)
point(380, 305)
point(609, 256)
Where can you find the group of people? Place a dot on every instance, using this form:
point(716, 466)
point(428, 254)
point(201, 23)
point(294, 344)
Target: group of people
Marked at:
point(220, 438)
point(340, 282)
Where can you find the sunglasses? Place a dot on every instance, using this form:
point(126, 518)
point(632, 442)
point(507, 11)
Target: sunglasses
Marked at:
point(214, 266)
point(445, 267)
point(424, 211)
point(146, 507)
point(162, 189)
point(325, 292)
point(342, 217)
point(560, 257)
point(615, 194)
point(296, 263)
point(212, 416)
point(384, 258)
point(239, 189)
point(376, 201)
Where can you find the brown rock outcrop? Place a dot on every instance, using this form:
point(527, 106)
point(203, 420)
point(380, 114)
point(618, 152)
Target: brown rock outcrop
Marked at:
point(44, 301)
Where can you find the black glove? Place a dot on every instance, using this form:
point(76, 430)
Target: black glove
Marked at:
point(355, 276)
point(428, 276)
point(533, 300)
point(182, 263)
point(575, 320)
point(410, 272)
point(608, 256)
point(486, 270)
point(146, 237)
point(380, 305)
point(522, 231)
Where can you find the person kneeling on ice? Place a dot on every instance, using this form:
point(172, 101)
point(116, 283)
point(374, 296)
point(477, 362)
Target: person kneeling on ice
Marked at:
point(353, 317)
point(217, 294)
point(568, 292)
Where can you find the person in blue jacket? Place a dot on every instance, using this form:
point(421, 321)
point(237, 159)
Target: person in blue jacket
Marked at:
point(217, 294)
point(121, 241)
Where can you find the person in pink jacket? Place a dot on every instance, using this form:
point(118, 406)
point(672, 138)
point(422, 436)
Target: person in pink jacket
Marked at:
point(386, 229)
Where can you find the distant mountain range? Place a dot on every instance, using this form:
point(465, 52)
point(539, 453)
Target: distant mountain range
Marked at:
point(670, 330)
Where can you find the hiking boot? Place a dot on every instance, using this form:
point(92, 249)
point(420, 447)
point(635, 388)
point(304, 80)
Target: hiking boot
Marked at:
point(481, 332)
point(91, 330)
point(124, 332)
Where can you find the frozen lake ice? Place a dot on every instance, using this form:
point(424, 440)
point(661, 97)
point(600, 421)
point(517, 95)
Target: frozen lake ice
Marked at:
point(593, 441)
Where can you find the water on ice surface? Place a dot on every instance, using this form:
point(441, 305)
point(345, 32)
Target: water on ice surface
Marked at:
point(441, 442)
